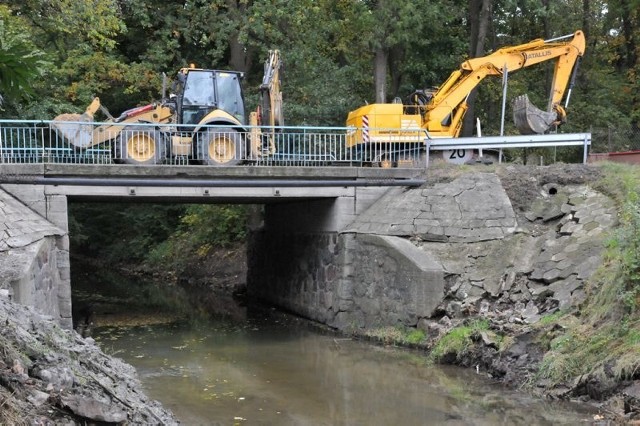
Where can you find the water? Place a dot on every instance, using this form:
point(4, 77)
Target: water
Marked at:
point(271, 369)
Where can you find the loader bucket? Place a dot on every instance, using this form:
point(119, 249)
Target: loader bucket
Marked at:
point(531, 120)
point(70, 127)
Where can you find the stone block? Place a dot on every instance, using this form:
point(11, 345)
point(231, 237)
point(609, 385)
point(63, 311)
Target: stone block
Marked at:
point(570, 227)
point(493, 287)
point(539, 291)
point(418, 278)
point(559, 256)
point(588, 267)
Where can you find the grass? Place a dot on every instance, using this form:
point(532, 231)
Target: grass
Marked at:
point(457, 341)
point(607, 335)
point(550, 319)
point(10, 410)
point(401, 336)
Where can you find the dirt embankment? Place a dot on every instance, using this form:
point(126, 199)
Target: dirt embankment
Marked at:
point(518, 350)
point(52, 376)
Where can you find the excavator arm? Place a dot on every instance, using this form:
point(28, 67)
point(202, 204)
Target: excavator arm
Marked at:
point(445, 111)
point(271, 96)
point(269, 112)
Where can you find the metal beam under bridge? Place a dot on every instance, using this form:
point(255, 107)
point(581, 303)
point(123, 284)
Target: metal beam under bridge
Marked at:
point(203, 184)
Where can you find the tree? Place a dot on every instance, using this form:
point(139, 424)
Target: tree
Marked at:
point(625, 20)
point(395, 24)
point(479, 20)
point(20, 61)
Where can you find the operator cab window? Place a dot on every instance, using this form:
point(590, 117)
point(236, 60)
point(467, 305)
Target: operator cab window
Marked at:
point(230, 94)
point(199, 89)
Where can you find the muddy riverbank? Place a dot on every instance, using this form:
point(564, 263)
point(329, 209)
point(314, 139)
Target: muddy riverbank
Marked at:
point(53, 376)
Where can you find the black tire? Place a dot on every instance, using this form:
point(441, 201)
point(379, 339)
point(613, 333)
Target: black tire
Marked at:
point(219, 147)
point(140, 145)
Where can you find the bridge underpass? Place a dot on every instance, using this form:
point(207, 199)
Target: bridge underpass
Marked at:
point(297, 200)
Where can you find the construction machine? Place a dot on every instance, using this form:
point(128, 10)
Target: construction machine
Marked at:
point(203, 121)
point(388, 129)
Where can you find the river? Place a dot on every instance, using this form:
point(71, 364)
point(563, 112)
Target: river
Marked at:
point(277, 370)
point(257, 366)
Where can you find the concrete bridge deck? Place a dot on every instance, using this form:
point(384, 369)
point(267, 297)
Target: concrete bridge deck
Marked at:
point(203, 184)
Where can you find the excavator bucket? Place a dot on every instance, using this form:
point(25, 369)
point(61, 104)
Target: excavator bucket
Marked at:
point(531, 120)
point(70, 127)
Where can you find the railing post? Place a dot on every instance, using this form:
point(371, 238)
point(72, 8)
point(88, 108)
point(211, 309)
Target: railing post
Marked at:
point(41, 141)
point(584, 153)
point(427, 147)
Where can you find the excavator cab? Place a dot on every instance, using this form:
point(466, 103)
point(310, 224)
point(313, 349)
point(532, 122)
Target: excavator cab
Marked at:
point(199, 92)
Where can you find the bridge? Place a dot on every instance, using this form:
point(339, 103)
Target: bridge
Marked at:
point(311, 185)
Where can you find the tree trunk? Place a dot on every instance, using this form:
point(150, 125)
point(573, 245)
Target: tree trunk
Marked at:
point(380, 74)
point(479, 19)
point(586, 12)
point(239, 57)
point(396, 56)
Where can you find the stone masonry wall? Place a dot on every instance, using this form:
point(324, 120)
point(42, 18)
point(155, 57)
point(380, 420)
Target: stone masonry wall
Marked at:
point(344, 280)
point(297, 272)
point(445, 251)
point(34, 260)
point(497, 263)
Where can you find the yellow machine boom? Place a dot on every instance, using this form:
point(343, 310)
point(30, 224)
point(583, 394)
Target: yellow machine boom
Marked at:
point(441, 113)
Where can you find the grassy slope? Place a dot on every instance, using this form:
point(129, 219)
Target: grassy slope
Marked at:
point(602, 339)
point(599, 340)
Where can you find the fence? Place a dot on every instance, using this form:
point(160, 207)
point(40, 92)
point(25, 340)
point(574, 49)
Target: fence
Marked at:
point(156, 144)
point(615, 139)
point(141, 143)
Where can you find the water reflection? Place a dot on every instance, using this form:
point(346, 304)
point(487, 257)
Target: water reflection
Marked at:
point(275, 370)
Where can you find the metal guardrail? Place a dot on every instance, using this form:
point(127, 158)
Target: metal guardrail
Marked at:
point(29, 141)
point(520, 141)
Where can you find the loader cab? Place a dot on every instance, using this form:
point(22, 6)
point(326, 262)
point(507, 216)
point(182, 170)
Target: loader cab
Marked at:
point(203, 91)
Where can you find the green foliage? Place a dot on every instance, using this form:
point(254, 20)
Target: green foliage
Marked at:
point(585, 349)
point(397, 335)
point(214, 224)
point(118, 50)
point(416, 337)
point(120, 232)
point(608, 332)
point(165, 236)
point(550, 319)
point(201, 229)
point(21, 61)
point(458, 340)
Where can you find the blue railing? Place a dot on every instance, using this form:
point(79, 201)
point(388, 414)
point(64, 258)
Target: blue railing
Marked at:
point(42, 141)
point(152, 143)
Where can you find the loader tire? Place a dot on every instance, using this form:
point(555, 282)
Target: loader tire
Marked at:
point(140, 145)
point(220, 147)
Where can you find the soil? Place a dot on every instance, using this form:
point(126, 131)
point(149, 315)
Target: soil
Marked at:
point(31, 345)
point(523, 183)
point(519, 365)
point(52, 376)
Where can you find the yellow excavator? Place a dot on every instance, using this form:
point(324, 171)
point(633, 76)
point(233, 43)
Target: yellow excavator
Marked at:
point(203, 121)
point(394, 127)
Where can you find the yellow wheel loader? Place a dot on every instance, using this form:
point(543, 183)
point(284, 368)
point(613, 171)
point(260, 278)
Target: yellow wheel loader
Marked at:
point(398, 127)
point(202, 121)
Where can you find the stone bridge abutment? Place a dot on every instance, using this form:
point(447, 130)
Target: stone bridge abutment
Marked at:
point(34, 250)
point(363, 257)
point(34, 240)
point(306, 259)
